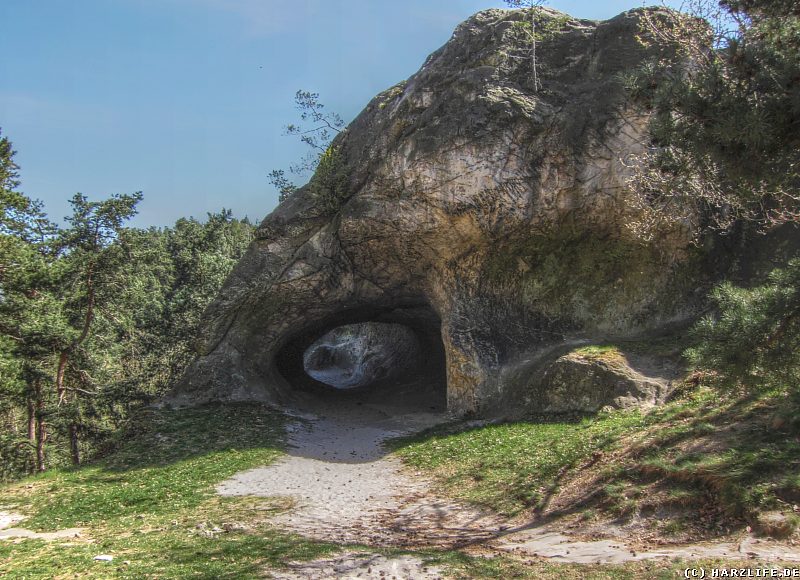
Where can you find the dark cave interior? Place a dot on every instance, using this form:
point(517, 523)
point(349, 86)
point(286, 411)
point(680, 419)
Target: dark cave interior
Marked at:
point(388, 356)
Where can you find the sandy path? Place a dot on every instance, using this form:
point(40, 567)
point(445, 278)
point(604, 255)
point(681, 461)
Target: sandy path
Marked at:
point(360, 565)
point(348, 490)
point(546, 542)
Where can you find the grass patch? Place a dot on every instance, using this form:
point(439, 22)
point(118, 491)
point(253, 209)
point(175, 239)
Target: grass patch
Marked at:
point(729, 450)
point(153, 507)
point(464, 567)
point(597, 350)
point(514, 466)
point(605, 352)
point(720, 452)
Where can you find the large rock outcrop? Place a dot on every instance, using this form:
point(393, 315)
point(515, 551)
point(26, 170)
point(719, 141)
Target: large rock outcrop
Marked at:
point(486, 216)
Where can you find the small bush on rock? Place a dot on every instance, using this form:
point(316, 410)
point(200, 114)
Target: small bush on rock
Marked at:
point(329, 184)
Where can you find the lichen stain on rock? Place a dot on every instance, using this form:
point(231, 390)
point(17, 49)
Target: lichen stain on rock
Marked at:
point(501, 209)
point(577, 382)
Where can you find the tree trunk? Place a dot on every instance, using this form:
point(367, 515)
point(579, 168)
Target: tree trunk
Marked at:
point(41, 438)
point(31, 420)
point(41, 430)
point(74, 444)
point(63, 358)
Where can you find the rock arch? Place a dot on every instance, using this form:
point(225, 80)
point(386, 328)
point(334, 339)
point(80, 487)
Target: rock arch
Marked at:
point(497, 210)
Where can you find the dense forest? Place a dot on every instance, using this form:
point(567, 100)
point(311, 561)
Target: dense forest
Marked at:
point(96, 318)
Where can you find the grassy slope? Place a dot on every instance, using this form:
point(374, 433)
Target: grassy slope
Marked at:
point(722, 454)
point(152, 504)
point(511, 467)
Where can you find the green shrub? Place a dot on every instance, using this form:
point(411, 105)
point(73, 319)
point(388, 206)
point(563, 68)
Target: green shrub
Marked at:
point(329, 184)
point(753, 339)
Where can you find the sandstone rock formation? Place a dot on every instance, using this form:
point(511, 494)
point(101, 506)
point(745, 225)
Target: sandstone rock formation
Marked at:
point(358, 355)
point(486, 216)
point(586, 382)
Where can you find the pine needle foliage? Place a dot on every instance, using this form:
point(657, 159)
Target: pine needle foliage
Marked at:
point(752, 341)
point(725, 104)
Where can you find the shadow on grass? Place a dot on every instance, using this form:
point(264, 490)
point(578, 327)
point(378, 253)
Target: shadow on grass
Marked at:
point(159, 437)
point(734, 453)
point(167, 462)
point(151, 503)
point(717, 452)
point(514, 466)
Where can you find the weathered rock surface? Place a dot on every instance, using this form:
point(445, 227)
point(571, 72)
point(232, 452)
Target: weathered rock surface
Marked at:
point(488, 217)
point(584, 382)
point(776, 524)
point(357, 355)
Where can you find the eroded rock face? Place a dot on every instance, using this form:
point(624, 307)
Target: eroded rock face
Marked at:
point(587, 383)
point(487, 216)
point(358, 355)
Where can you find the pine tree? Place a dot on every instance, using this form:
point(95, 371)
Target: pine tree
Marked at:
point(726, 149)
point(726, 114)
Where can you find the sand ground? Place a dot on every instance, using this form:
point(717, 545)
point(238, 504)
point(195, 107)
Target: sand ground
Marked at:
point(348, 489)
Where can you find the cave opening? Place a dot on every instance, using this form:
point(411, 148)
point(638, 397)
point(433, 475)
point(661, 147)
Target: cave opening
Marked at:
point(392, 358)
point(362, 354)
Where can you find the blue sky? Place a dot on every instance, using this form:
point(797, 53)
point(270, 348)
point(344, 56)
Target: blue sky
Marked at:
point(185, 100)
